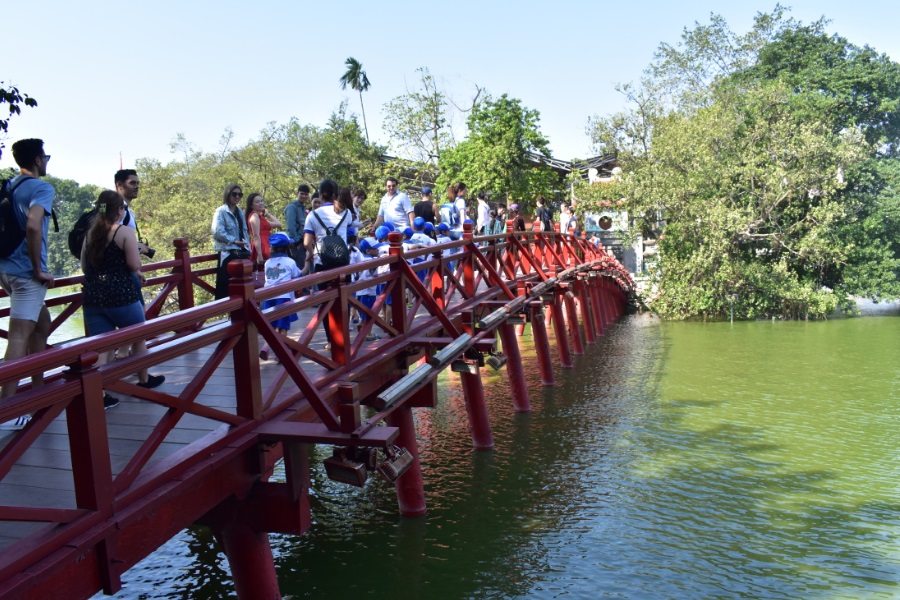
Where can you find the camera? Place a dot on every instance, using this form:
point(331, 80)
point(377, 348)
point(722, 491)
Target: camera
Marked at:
point(150, 251)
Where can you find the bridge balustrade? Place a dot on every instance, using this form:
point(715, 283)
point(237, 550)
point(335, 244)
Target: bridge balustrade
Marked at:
point(123, 487)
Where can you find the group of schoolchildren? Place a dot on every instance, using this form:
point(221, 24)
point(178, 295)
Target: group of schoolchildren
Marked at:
point(280, 267)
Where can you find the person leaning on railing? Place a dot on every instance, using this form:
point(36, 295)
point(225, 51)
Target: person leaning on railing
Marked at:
point(112, 280)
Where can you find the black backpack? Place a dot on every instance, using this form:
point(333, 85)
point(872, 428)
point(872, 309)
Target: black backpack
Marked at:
point(11, 233)
point(79, 231)
point(333, 250)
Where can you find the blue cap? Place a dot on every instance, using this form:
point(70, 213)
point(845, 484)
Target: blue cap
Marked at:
point(365, 246)
point(443, 227)
point(351, 231)
point(418, 222)
point(389, 225)
point(382, 232)
point(429, 227)
point(407, 233)
point(468, 222)
point(279, 239)
point(426, 191)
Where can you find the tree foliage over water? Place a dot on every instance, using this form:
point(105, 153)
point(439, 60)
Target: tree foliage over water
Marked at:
point(766, 163)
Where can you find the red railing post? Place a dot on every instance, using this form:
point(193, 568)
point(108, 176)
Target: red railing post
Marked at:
point(91, 466)
point(247, 384)
point(186, 282)
point(398, 294)
point(338, 323)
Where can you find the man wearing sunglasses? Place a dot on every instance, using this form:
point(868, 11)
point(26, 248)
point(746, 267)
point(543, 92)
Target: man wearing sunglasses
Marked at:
point(24, 274)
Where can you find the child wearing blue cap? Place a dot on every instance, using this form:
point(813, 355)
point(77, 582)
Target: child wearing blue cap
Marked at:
point(279, 268)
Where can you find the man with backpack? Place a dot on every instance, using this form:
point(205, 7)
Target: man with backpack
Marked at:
point(325, 233)
point(23, 273)
point(325, 237)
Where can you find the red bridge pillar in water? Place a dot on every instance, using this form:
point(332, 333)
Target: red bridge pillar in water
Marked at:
point(541, 342)
point(584, 303)
point(410, 487)
point(514, 368)
point(593, 289)
point(572, 318)
point(559, 328)
point(473, 388)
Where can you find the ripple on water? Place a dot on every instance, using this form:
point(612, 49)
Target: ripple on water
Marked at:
point(693, 460)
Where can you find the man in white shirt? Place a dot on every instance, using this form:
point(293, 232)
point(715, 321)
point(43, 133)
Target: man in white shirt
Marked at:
point(395, 207)
point(332, 215)
point(482, 217)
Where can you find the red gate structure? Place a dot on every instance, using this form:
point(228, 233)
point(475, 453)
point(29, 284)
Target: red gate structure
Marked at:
point(86, 494)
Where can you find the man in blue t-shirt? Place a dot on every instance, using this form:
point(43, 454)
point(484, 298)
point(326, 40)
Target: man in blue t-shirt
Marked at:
point(24, 274)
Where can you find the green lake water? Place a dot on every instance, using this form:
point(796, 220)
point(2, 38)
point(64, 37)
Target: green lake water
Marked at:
point(676, 460)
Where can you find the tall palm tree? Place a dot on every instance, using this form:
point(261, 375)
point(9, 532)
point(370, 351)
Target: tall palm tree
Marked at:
point(356, 78)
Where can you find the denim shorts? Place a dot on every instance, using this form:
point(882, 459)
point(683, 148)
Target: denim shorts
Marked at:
point(103, 319)
point(26, 296)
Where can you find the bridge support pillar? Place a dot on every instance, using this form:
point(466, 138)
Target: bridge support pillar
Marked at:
point(559, 329)
point(541, 344)
point(410, 487)
point(250, 558)
point(574, 329)
point(479, 423)
point(603, 292)
point(584, 303)
point(514, 368)
point(594, 293)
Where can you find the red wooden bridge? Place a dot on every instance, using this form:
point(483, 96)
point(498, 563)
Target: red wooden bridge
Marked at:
point(86, 494)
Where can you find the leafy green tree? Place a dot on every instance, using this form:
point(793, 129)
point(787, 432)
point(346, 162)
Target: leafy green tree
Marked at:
point(495, 156)
point(178, 198)
point(15, 99)
point(357, 79)
point(762, 156)
point(417, 122)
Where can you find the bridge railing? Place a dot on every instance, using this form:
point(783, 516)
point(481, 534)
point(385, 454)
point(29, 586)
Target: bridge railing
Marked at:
point(429, 299)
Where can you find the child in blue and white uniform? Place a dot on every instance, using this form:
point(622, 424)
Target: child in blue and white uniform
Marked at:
point(280, 268)
point(367, 296)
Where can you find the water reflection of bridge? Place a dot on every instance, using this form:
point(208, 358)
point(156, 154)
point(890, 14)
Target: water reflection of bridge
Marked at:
point(85, 494)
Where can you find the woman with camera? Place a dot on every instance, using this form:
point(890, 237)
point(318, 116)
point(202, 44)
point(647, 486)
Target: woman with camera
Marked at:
point(229, 233)
point(112, 279)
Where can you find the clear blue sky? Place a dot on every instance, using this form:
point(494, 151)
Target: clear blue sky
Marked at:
point(126, 77)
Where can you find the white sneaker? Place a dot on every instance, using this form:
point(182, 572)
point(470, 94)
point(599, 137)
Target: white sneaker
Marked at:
point(16, 424)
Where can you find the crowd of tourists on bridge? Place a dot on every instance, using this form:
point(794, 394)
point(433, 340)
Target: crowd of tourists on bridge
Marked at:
point(319, 231)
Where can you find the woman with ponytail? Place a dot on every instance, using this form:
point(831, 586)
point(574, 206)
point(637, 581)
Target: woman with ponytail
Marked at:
point(112, 279)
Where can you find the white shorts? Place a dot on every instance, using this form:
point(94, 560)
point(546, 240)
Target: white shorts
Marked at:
point(26, 296)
